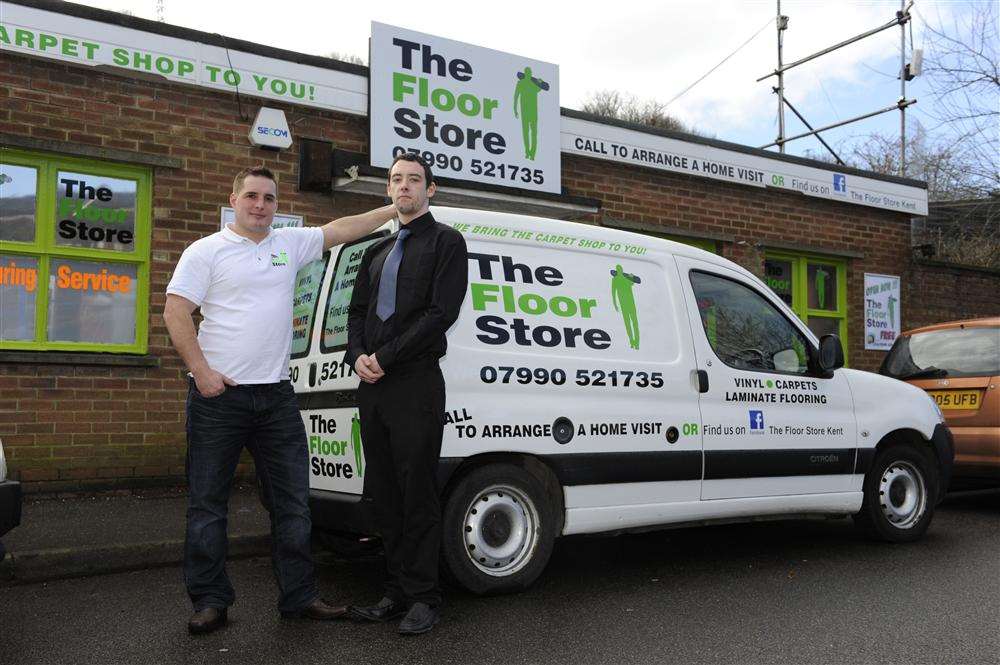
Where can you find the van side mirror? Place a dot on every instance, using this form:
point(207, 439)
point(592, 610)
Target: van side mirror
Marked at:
point(831, 353)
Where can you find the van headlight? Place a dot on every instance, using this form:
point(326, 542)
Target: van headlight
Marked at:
point(3, 464)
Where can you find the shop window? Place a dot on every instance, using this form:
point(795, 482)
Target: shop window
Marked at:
point(74, 254)
point(338, 301)
point(18, 202)
point(814, 287)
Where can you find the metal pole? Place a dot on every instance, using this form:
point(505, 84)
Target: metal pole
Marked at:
point(896, 21)
point(902, 87)
point(781, 82)
point(902, 102)
point(806, 123)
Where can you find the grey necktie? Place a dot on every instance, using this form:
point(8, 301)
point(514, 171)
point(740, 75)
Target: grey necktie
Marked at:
point(386, 305)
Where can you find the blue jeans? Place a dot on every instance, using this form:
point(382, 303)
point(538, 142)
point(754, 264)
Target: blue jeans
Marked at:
point(265, 419)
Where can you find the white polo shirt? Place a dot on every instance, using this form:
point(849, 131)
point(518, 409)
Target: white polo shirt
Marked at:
point(245, 292)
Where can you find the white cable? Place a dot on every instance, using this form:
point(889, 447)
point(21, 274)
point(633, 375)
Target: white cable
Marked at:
point(740, 47)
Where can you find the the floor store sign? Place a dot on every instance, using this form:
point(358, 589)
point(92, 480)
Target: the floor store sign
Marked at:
point(474, 113)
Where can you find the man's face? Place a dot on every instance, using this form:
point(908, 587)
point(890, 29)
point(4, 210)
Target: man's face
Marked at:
point(408, 188)
point(255, 204)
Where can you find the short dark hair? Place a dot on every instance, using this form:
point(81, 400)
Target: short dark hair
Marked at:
point(413, 157)
point(259, 170)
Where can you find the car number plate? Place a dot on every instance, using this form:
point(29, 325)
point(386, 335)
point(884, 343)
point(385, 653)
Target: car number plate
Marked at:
point(956, 399)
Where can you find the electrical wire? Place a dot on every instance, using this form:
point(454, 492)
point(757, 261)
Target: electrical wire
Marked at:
point(706, 74)
point(236, 88)
point(829, 101)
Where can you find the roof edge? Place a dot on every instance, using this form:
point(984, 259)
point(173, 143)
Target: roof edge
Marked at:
point(738, 147)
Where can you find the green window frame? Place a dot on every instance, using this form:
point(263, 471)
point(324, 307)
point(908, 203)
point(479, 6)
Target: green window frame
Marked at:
point(803, 300)
point(45, 250)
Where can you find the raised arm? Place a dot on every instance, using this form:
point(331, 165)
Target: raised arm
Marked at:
point(352, 227)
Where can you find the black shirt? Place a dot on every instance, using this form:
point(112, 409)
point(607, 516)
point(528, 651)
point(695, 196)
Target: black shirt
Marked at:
point(430, 286)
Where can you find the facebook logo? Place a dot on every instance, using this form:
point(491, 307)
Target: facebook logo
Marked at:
point(757, 421)
point(839, 183)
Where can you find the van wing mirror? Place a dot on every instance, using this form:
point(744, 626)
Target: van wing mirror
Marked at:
point(831, 353)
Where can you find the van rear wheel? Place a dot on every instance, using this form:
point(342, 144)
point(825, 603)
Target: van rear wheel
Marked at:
point(900, 491)
point(499, 528)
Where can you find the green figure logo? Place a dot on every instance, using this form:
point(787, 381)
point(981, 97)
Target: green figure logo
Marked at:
point(623, 299)
point(821, 277)
point(356, 444)
point(526, 108)
point(279, 259)
point(892, 311)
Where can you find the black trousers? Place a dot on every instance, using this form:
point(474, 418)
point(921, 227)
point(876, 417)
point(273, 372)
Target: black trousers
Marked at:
point(402, 420)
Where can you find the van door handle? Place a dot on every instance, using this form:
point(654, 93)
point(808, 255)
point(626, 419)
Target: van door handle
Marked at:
point(702, 381)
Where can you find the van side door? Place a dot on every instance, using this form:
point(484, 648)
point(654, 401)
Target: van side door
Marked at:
point(772, 425)
point(325, 384)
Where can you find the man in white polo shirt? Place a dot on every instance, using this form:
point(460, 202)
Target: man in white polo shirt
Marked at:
point(243, 280)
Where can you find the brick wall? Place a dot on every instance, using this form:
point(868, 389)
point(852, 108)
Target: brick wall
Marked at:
point(71, 426)
point(75, 426)
point(946, 293)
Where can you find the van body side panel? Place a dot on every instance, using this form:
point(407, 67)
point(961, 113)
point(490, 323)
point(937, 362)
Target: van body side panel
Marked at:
point(767, 431)
point(580, 346)
point(576, 353)
point(598, 519)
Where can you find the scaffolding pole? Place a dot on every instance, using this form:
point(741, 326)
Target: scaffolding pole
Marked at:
point(901, 103)
point(820, 138)
point(902, 16)
point(782, 23)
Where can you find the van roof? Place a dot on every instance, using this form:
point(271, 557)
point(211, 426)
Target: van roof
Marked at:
point(576, 229)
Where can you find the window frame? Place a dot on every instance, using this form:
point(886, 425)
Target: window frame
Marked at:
point(800, 262)
point(45, 249)
point(773, 300)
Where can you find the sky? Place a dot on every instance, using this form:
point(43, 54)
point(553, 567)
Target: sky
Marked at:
point(650, 49)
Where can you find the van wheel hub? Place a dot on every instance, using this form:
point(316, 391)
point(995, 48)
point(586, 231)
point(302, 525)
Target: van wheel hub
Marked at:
point(902, 494)
point(501, 530)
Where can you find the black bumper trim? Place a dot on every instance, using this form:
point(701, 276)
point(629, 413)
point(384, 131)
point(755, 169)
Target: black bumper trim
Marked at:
point(944, 448)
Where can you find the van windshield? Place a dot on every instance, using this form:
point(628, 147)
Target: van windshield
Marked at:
point(953, 353)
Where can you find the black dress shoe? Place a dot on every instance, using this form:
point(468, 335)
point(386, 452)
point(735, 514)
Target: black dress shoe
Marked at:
point(317, 610)
point(207, 620)
point(420, 619)
point(386, 610)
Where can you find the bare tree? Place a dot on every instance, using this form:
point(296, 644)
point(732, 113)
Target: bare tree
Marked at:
point(962, 71)
point(347, 57)
point(963, 226)
point(623, 106)
point(948, 168)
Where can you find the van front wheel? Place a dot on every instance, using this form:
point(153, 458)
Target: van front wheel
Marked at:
point(899, 495)
point(498, 530)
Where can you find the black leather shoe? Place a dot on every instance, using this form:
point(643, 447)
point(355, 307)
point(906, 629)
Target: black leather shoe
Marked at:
point(420, 619)
point(317, 610)
point(207, 620)
point(386, 610)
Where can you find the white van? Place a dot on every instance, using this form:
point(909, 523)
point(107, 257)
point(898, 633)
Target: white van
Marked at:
point(604, 381)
